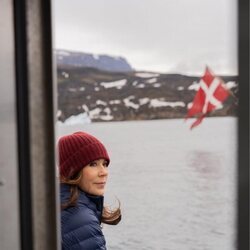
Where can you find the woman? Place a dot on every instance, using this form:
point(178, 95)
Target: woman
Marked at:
point(83, 165)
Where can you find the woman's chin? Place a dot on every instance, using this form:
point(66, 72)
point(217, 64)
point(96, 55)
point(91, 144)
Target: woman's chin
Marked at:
point(98, 192)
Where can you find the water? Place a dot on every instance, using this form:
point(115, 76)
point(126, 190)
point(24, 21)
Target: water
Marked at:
point(177, 187)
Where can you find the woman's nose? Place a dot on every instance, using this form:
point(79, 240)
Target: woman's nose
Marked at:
point(103, 170)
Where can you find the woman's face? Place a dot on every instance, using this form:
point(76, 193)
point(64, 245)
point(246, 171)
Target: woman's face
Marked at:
point(94, 177)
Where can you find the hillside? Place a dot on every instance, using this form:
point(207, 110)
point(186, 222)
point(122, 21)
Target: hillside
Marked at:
point(117, 96)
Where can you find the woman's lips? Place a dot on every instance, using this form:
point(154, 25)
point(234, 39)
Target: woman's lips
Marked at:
point(101, 184)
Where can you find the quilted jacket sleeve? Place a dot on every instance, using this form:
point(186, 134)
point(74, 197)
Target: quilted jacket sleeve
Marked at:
point(81, 231)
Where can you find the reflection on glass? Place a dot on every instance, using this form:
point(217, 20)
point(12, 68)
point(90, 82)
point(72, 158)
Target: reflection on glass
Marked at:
point(128, 72)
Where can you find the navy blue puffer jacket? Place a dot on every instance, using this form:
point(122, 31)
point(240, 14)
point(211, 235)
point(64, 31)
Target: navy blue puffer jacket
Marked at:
point(80, 225)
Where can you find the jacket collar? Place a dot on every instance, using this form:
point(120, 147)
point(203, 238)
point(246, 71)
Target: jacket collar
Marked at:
point(95, 203)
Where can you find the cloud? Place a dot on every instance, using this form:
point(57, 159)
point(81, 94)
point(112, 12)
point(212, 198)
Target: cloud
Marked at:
point(152, 34)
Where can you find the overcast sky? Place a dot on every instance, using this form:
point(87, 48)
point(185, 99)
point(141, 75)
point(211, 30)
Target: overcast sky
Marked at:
point(168, 36)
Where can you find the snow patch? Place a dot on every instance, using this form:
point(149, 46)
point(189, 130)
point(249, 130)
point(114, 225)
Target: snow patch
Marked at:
point(157, 85)
point(143, 101)
point(116, 84)
point(94, 113)
point(114, 102)
point(180, 88)
point(220, 106)
point(78, 119)
point(146, 75)
point(97, 89)
point(195, 86)
point(156, 103)
point(100, 102)
point(141, 85)
point(85, 108)
point(82, 89)
point(152, 80)
point(231, 84)
point(128, 103)
point(108, 115)
point(65, 74)
point(72, 90)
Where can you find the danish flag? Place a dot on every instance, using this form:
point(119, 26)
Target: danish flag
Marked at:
point(210, 95)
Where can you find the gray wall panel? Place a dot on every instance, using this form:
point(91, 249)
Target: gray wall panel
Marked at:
point(9, 196)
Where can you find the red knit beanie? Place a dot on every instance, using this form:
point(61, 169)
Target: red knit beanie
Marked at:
point(78, 150)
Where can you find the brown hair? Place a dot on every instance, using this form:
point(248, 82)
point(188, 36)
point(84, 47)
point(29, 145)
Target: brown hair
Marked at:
point(109, 216)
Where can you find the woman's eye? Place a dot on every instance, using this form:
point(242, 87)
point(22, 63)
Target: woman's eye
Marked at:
point(92, 164)
point(105, 164)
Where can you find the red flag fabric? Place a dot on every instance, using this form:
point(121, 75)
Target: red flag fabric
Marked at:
point(209, 96)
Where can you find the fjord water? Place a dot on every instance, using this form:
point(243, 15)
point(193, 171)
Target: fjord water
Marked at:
point(177, 187)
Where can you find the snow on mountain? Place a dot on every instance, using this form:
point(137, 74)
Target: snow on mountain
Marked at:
point(151, 80)
point(140, 85)
point(78, 119)
point(157, 85)
point(91, 95)
point(114, 102)
point(117, 84)
point(180, 88)
point(231, 84)
point(146, 74)
point(100, 102)
point(144, 101)
point(159, 103)
point(128, 103)
point(195, 86)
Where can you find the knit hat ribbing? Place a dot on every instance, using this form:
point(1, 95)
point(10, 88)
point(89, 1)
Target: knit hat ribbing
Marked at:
point(78, 150)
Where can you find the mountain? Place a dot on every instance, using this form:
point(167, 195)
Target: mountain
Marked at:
point(102, 62)
point(118, 96)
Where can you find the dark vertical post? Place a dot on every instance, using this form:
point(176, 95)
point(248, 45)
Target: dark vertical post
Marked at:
point(36, 125)
point(22, 99)
point(243, 127)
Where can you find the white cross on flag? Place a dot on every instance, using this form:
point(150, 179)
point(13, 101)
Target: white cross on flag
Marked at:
point(211, 94)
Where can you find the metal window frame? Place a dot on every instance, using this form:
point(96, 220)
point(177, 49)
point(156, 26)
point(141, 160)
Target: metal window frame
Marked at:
point(35, 94)
point(243, 127)
point(26, 50)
